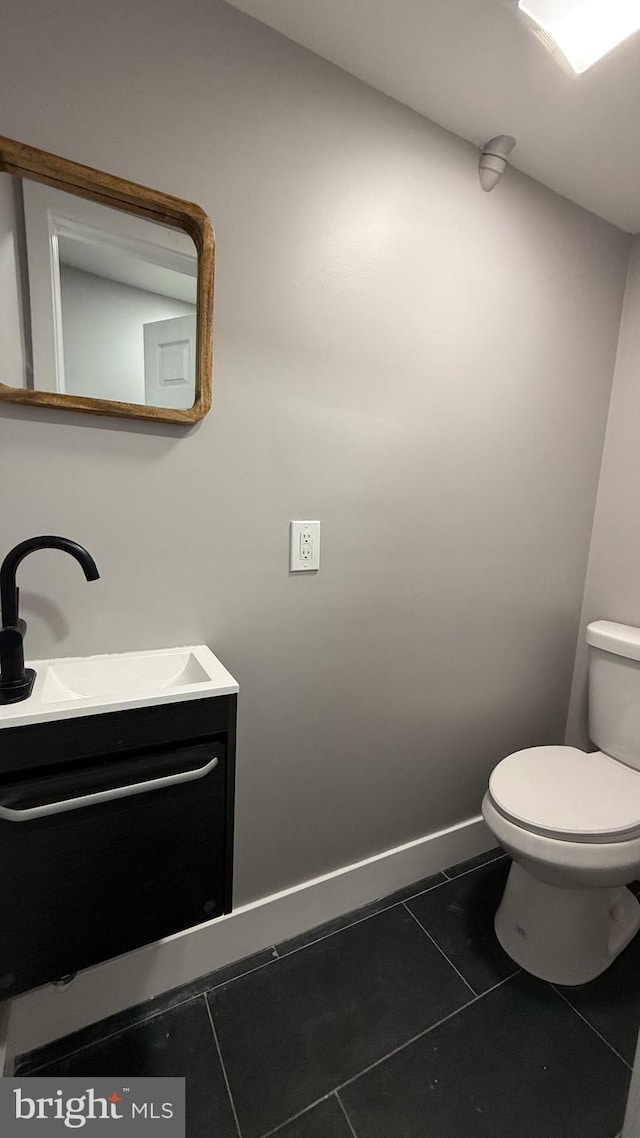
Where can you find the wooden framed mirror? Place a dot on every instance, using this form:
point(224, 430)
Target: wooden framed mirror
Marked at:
point(108, 291)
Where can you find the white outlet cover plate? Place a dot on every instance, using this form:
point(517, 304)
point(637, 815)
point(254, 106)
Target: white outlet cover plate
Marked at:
point(304, 546)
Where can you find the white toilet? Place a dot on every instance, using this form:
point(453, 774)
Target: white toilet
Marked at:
point(571, 822)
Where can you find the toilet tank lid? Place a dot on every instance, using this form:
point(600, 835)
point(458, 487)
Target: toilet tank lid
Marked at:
point(621, 639)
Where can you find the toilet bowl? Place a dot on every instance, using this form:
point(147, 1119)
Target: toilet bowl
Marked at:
point(570, 820)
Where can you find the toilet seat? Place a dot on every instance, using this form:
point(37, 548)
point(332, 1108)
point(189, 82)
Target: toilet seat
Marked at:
point(565, 793)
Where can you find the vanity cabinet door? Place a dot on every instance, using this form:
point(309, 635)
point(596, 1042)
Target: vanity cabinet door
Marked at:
point(146, 855)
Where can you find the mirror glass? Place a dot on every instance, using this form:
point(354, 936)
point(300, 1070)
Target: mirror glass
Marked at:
point(99, 303)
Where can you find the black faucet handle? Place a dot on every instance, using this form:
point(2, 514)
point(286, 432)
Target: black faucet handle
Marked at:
point(11, 636)
point(16, 682)
point(18, 687)
point(11, 648)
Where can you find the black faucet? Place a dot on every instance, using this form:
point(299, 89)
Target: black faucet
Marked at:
point(16, 681)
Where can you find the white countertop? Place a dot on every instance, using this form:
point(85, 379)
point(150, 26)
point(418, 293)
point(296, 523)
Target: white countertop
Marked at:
point(89, 685)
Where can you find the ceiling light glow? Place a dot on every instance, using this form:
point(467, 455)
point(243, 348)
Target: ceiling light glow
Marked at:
point(584, 30)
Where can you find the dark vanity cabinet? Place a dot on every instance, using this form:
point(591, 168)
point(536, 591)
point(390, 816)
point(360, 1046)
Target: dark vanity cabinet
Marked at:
point(115, 830)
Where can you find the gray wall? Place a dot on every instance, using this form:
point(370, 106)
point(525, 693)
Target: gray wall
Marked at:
point(612, 588)
point(424, 367)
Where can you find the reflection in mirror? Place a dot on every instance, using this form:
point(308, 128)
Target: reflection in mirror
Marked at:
point(15, 340)
point(100, 303)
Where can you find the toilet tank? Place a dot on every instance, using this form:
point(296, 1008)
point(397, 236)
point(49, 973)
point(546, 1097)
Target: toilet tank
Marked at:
point(614, 690)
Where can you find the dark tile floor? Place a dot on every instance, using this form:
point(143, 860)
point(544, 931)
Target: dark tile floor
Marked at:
point(404, 1019)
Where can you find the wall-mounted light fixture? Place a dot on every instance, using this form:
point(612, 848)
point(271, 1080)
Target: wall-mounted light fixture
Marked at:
point(493, 159)
point(582, 30)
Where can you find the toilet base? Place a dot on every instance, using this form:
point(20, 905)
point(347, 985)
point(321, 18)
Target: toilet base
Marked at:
point(565, 936)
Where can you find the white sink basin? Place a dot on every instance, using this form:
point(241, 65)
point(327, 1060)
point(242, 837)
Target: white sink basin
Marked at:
point(121, 675)
point(87, 685)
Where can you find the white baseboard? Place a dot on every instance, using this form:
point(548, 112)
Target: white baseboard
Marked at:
point(51, 1012)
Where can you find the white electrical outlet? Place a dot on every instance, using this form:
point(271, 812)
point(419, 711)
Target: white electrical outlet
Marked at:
point(304, 546)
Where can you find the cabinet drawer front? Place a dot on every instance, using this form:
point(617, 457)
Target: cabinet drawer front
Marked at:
point(82, 885)
point(114, 733)
point(56, 790)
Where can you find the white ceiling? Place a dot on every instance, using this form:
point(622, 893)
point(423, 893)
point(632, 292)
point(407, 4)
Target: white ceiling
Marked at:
point(474, 67)
point(125, 266)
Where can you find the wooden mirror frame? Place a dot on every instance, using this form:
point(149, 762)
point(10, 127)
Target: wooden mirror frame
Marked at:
point(38, 165)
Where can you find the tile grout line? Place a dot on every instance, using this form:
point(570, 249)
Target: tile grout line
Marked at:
point(473, 869)
point(347, 1119)
point(594, 1029)
point(353, 1078)
point(224, 1069)
point(301, 948)
point(516, 972)
point(401, 1047)
point(505, 980)
point(149, 1018)
point(393, 905)
point(298, 1114)
point(110, 1035)
point(440, 950)
point(429, 889)
point(241, 975)
point(420, 1034)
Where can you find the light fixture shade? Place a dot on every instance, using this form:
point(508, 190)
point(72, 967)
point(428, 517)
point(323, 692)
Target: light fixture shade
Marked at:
point(584, 30)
